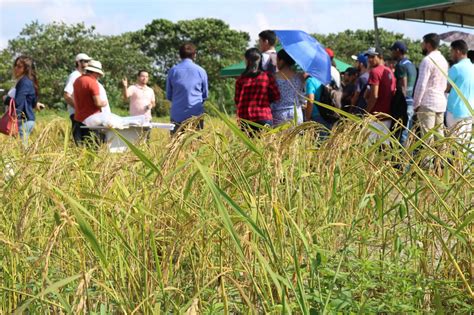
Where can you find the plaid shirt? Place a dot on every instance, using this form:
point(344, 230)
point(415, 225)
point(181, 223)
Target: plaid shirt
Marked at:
point(432, 83)
point(253, 96)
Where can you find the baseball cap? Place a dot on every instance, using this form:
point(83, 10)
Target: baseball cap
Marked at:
point(399, 46)
point(372, 51)
point(82, 56)
point(330, 52)
point(361, 58)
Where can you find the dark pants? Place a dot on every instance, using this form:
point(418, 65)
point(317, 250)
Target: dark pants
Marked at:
point(179, 126)
point(90, 138)
point(253, 130)
point(76, 130)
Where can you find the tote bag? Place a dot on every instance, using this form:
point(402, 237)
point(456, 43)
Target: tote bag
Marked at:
point(9, 121)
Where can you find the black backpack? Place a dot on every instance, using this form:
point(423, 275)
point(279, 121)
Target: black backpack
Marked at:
point(398, 109)
point(331, 95)
point(272, 63)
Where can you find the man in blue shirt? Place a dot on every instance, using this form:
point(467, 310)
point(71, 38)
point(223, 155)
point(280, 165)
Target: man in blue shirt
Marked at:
point(358, 102)
point(458, 113)
point(186, 88)
point(405, 73)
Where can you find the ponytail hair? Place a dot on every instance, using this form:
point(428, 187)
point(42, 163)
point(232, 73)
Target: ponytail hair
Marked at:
point(254, 63)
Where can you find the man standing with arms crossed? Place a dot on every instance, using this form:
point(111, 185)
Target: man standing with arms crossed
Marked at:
point(186, 88)
point(82, 60)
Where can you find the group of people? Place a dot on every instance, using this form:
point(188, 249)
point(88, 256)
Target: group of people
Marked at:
point(86, 96)
point(271, 91)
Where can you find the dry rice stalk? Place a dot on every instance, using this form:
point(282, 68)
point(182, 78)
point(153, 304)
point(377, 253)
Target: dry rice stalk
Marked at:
point(81, 291)
point(47, 252)
point(194, 308)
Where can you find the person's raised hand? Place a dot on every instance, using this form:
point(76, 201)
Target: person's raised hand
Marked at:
point(125, 82)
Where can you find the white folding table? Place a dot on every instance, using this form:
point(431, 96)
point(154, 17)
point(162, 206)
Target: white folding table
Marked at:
point(132, 133)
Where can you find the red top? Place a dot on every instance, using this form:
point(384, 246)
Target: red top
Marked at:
point(85, 87)
point(383, 77)
point(253, 96)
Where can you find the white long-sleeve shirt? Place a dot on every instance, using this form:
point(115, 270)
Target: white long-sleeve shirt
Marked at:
point(432, 83)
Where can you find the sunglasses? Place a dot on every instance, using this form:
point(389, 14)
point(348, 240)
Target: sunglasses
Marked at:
point(84, 61)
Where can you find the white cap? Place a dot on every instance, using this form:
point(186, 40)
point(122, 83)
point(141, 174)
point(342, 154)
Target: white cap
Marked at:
point(82, 56)
point(94, 66)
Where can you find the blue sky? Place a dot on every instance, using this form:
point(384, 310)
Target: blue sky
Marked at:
point(117, 16)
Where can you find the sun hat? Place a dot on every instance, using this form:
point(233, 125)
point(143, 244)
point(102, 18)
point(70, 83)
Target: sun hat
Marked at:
point(94, 66)
point(82, 56)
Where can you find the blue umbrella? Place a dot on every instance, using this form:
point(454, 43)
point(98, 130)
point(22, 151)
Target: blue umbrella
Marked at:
point(308, 53)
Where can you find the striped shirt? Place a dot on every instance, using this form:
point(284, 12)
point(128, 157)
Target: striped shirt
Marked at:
point(432, 83)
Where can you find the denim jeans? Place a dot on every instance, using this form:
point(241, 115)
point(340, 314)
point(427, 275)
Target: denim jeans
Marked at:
point(410, 113)
point(25, 128)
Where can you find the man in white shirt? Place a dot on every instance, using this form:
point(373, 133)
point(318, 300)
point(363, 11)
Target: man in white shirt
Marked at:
point(266, 43)
point(429, 97)
point(82, 61)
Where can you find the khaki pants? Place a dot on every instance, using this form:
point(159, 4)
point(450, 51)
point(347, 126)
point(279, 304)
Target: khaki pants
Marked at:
point(430, 120)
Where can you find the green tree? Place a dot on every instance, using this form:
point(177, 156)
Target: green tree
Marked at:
point(218, 46)
point(53, 47)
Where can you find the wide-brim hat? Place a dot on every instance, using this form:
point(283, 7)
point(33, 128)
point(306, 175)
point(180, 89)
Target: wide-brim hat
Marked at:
point(94, 66)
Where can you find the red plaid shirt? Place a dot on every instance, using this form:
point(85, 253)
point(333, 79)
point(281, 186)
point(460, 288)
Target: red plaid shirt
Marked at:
point(254, 95)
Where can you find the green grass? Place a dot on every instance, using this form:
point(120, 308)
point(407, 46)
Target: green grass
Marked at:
point(214, 220)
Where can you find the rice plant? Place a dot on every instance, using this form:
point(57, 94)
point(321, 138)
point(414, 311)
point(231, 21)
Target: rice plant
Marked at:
point(215, 222)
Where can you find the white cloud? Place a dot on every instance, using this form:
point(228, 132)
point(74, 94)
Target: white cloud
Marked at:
point(67, 11)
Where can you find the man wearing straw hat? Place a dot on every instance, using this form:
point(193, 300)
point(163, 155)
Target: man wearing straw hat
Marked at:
point(87, 99)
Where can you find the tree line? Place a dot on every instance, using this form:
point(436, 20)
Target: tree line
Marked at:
point(154, 48)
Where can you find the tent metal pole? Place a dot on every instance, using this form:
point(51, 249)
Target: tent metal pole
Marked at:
point(376, 28)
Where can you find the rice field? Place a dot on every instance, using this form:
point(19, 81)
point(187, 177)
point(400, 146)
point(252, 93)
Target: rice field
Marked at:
point(212, 222)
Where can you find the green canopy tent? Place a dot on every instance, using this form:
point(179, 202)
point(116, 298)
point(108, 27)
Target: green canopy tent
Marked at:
point(236, 69)
point(446, 12)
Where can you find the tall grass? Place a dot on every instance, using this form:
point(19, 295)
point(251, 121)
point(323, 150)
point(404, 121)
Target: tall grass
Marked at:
point(215, 222)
